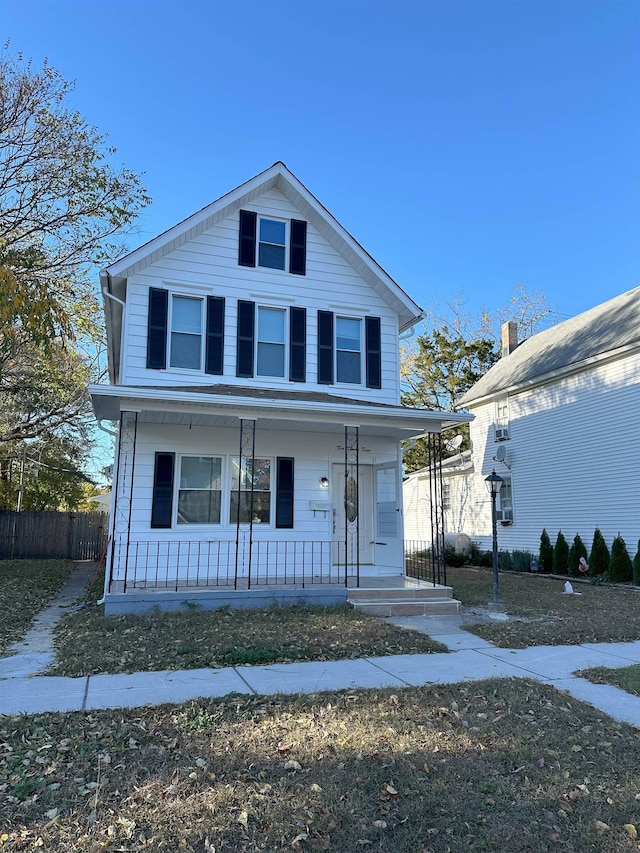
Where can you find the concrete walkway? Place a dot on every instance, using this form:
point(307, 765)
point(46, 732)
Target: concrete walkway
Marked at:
point(470, 659)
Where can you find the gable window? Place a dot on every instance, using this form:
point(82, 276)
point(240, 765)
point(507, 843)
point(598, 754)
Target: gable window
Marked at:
point(348, 350)
point(272, 244)
point(271, 342)
point(200, 490)
point(504, 510)
point(278, 244)
point(446, 496)
point(502, 419)
point(247, 505)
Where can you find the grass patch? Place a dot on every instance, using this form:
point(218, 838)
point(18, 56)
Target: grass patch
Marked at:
point(600, 614)
point(88, 641)
point(626, 677)
point(497, 765)
point(26, 587)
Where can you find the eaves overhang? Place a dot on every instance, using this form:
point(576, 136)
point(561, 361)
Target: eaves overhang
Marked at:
point(201, 409)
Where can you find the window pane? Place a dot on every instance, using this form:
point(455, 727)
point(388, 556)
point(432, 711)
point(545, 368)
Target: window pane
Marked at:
point(200, 472)
point(199, 507)
point(348, 367)
point(261, 470)
point(272, 231)
point(185, 351)
point(261, 507)
point(187, 315)
point(271, 256)
point(270, 360)
point(347, 333)
point(271, 325)
point(386, 484)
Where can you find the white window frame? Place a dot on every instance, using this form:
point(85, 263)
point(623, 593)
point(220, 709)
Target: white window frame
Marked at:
point(361, 351)
point(178, 489)
point(285, 348)
point(446, 496)
point(504, 503)
point(171, 331)
point(271, 491)
point(501, 419)
point(259, 242)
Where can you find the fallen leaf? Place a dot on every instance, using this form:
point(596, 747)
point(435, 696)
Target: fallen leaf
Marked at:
point(243, 818)
point(293, 765)
point(631, 831)
point(599, 826)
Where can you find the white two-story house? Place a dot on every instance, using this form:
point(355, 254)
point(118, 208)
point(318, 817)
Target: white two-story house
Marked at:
point(254, 369)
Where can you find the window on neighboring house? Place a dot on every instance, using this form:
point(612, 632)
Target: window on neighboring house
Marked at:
point(271, 342)
point(504, 507)
point(502, 419)
point(186, 333)
point(256, 473)
point(446, 496)
point(200, 490)
point(348, 350)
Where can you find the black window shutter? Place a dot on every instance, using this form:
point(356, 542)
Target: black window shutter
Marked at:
point(214, 362)
point(284, 491)
point(374, 355)
point(246, 324)
point(325, 347)
point(157, 329)
point(162, 504)
point(298, 247)
point(297, 344)
point(247, 239)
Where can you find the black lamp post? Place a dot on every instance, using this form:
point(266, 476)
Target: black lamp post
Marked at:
point(494, 484)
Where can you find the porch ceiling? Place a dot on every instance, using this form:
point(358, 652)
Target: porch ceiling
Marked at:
point(310, 413)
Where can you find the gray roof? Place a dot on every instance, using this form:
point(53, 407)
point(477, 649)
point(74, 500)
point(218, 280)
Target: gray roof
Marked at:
point(610, 326)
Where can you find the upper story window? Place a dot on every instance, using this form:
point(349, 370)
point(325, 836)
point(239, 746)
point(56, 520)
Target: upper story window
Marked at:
point(270, 356)
point(183, 330)
point(348, 350)
point(186, 333)
point(446, 496)
point(502, 419)
point(278, 244)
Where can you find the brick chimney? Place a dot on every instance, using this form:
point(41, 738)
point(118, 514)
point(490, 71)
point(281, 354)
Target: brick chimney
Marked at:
point(509, 337)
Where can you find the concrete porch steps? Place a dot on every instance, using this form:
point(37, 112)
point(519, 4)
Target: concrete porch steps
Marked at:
point(412, 599)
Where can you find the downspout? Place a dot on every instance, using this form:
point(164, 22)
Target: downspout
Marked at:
point(107, 293)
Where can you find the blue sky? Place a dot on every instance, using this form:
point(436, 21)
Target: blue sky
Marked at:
point(469, 145)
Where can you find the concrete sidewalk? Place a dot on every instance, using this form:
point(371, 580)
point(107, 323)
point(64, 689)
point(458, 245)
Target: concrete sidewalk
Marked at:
point(470, 659)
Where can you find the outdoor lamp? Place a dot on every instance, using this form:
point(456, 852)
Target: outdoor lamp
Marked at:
point(494, 483)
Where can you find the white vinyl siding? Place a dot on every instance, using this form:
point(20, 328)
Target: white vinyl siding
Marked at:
point(208, 265)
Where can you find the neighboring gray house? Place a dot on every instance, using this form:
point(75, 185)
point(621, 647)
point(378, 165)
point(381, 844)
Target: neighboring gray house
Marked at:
point(557, 417)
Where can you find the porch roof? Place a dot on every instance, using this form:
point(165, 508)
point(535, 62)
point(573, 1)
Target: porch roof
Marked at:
point(222, 405)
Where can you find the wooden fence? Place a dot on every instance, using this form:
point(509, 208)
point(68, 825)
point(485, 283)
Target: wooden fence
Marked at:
point(36, 535)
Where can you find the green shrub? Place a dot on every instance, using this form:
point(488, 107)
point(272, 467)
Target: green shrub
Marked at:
point(636, 567)
point(521, 561)
point(599, 558)
point(505, 563)
point(452, 557)
point(577, 550)
point(546, 552)
point(561, 555)
point(620, 567)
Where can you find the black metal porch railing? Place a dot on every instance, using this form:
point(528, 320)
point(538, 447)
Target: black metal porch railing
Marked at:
point(181, 565)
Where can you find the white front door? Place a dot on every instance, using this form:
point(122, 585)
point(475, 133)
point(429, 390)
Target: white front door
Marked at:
point(361, 513)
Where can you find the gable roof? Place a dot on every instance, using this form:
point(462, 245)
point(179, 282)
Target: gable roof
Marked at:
point(609, 330)
point(279, 177)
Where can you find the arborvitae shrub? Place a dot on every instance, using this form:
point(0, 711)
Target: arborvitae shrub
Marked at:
point(599, 558)
point(546, 552)
point(505, 563)
point(561, 555)
point(620, 567)
point(577, 550)
point(636, 567)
